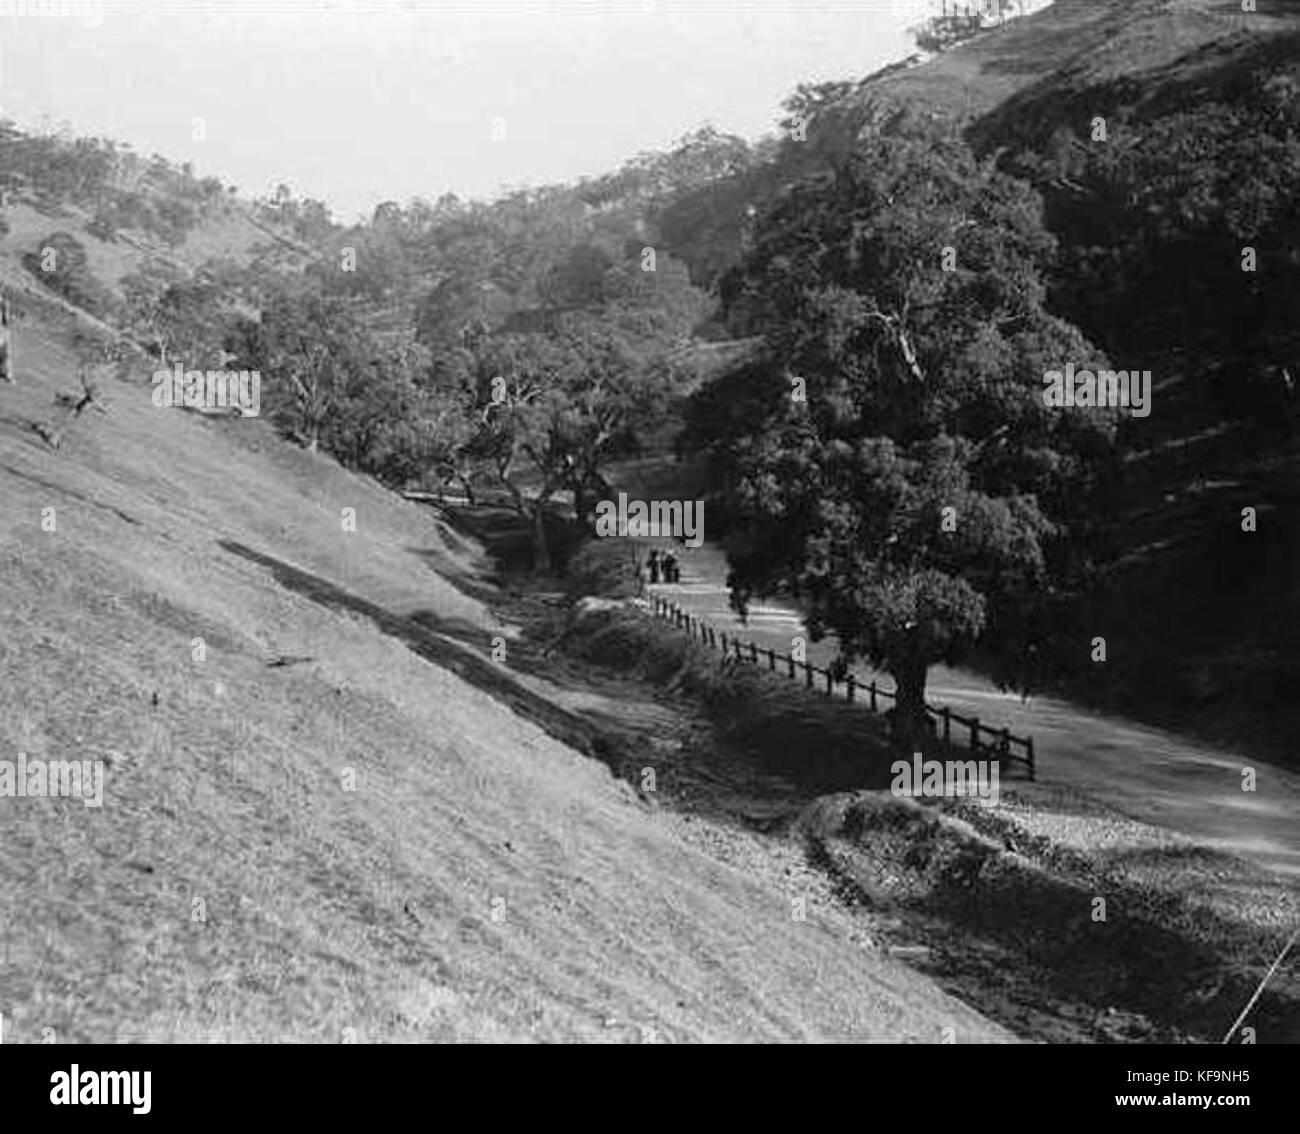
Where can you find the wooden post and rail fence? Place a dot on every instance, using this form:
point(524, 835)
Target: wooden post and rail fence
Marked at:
point(999, 742)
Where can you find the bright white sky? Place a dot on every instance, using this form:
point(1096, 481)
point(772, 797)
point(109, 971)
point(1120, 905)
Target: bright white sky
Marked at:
point(359, 101)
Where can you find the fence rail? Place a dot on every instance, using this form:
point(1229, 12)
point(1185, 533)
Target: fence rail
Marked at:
point(1001, 743)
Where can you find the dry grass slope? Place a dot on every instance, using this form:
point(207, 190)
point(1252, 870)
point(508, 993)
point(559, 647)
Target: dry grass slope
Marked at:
point(323, 909)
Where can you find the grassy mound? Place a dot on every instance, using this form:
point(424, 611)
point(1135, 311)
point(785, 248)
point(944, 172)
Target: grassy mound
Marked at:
point(1001, 908)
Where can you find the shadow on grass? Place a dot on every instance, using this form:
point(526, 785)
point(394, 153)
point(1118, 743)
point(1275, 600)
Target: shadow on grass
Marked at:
point(509, 537)
point(50, 486)
point(444, 642)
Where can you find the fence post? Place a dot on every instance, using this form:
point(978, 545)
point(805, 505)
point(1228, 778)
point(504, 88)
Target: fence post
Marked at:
point(828, 683)
point(974, 734)
point(1006, 742)
point(724, 643)
point(1029, 753)
point(790, 659)
point(851, 683)
point(736, 643)
point(807, 675)
point(873, 694)
point(771, 660)
point(947, 725)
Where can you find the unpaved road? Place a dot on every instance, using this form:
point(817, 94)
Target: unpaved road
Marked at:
point(1146, 773)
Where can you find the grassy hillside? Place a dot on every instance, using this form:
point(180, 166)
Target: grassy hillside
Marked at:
point(234, 235)
point(330, 812)
point(322, 909)
point(1083, 44)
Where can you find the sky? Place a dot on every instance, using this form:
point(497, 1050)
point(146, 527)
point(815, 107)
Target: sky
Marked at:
point(359, 101)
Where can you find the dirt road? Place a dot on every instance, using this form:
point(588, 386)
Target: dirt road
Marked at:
point(1146, 773)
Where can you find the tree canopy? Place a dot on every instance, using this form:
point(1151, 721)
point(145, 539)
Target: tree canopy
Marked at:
point(889, 458)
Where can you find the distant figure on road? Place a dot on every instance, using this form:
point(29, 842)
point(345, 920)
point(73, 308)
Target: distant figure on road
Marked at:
point(671, 572)
point(653, 564)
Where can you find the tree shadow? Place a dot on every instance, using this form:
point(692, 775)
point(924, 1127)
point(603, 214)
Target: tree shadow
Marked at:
point(444, 642)
point(65, 491)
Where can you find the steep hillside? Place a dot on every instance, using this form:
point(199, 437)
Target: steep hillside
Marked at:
point(1151, 220)
point(1203, 614)
point(92, 222)
point(234, 235)
point(484, 880)
point(1082, 44)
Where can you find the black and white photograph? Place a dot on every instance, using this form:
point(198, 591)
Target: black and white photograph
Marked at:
point(650, 522)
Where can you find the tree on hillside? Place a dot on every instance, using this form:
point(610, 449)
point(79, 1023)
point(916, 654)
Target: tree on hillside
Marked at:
point(808, 100)
point(387, 422)
point(309, 349)
point(1182, 238)
point(147, 317)
point(660, 309)
point(173, 220)
point(654, 178)
point(923, 394)
point(61, 264)
point(577, 280)
point(606, 381)
point(518, 383)
point(465, 292)
point(193, 320)
point(555, 408)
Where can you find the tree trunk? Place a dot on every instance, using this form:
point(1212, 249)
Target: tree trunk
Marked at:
point(541, 550)
point(584, 505)
point(911, 724)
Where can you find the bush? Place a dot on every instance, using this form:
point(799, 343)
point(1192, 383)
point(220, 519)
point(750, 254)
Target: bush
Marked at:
point(61, 265)
point(602, 567)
